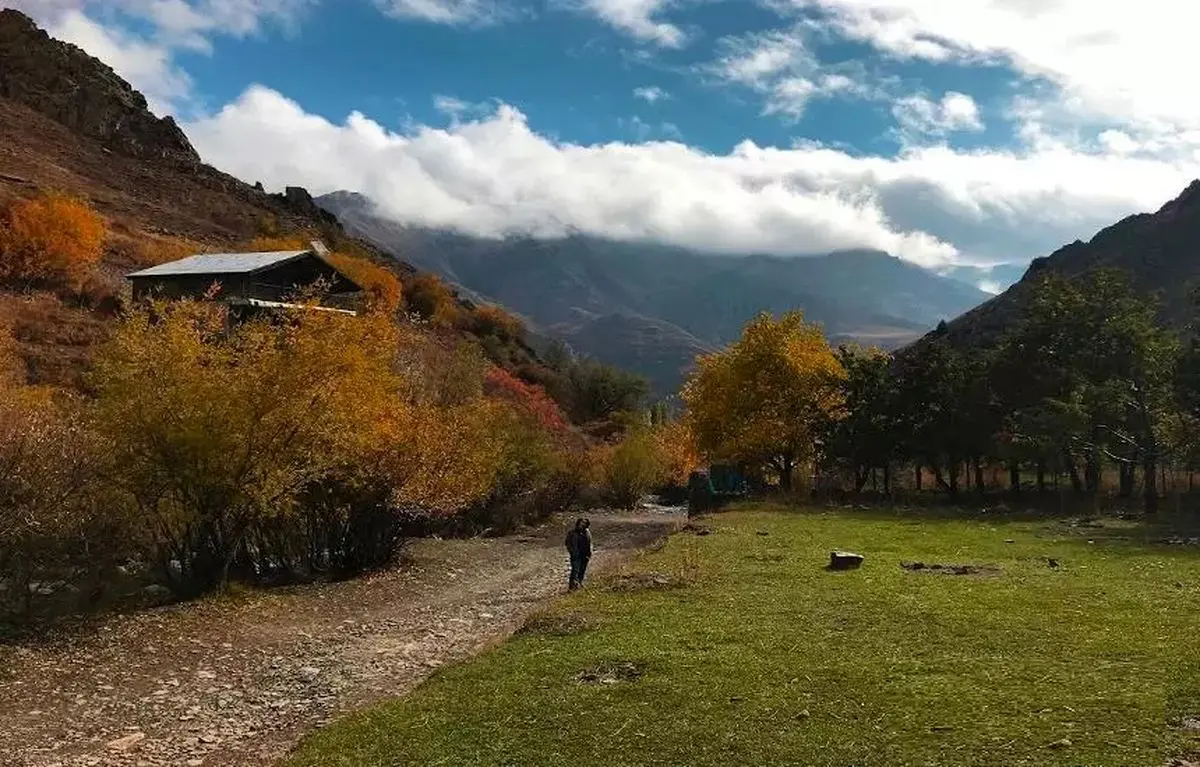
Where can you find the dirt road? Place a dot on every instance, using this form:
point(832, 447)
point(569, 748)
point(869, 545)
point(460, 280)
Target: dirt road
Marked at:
point(239, 681)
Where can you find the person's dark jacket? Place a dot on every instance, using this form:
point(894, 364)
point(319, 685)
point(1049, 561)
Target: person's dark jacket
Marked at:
point(579, 543)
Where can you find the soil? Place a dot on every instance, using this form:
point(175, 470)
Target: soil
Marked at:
point(239, 680)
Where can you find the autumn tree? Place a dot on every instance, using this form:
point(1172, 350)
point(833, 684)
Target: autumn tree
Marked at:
point(51, 240)
point(763, 400)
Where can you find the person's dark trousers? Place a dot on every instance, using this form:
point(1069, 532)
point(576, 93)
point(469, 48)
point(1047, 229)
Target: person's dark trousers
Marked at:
point(578, 570)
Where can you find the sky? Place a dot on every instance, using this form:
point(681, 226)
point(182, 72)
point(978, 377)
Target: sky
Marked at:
point(967, 136)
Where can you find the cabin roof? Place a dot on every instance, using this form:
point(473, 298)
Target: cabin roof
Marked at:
point(221, 263)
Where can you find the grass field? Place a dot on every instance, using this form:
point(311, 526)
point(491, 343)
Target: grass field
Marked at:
point(738, 648)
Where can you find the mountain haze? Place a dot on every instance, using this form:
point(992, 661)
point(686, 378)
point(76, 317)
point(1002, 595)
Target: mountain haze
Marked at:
point(652, 308)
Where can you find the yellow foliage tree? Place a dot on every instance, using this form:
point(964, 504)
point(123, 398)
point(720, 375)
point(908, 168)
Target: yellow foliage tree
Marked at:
point(760, 401)
point(52, 240)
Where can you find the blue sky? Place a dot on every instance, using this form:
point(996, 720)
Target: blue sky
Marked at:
point(958, 136)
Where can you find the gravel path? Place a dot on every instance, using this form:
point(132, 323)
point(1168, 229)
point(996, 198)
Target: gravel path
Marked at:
point(239, 681)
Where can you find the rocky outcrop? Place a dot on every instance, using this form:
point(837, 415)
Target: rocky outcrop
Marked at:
point(64, 83)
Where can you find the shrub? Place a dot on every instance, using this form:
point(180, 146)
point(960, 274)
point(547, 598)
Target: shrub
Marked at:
point(432, 299)
point(529, 399)
point(47, 469)
point(630, 469)
point(382, 287)
point(494, 321)
point(50, 241)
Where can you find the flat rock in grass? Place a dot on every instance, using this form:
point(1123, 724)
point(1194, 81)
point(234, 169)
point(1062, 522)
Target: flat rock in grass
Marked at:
point(610, 673)
point(126, 743)
point(845, 560)
point(1191, 723)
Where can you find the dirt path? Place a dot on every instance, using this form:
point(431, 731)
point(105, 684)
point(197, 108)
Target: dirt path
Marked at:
point(238, 682)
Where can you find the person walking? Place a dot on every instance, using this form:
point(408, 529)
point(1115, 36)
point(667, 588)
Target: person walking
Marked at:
point(579, 548)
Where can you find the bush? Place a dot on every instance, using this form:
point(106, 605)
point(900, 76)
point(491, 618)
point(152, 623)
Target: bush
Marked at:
point(50, 241)
point(630, 469)
point(47, 472)
point(494, 321)
point(432, 300)
point(382, 287)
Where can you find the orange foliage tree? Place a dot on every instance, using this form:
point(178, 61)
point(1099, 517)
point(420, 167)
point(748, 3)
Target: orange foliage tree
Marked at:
point(51, 240)
point(383, 289)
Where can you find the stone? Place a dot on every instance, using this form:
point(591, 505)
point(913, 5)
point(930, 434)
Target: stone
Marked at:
point(310, 672)
point(1064, 743)
point(126, 743)
point(845, 560)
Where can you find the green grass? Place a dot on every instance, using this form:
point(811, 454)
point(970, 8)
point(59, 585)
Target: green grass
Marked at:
point(760, 657)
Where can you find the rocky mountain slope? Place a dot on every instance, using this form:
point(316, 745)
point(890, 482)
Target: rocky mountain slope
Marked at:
point(652, 308)
point(1160, 252)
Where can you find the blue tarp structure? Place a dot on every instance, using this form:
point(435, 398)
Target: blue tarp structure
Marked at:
point(709, 489)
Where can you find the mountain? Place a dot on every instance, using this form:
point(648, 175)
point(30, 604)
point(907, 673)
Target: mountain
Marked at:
point(1159, 251)
point(651, 307)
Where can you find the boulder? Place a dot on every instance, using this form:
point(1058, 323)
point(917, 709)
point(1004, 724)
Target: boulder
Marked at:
point(845, 560)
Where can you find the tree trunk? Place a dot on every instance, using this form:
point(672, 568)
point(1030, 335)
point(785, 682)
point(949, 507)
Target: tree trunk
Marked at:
point(874, 480)
point(1092, 471)
point(887, 479)
point(1041, 476)
point(980, 486)
point(1014, 477)
point(952, 485)
point(1126, 480)
point(1150, 486)
point(785, 475)
point(917, 477)
point(1076, 480)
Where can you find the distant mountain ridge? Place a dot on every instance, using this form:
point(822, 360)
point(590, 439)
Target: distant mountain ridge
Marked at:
point(652, 308)
point(1159, 251)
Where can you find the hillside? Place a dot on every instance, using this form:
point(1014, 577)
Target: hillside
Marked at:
point(1157, 250)
point(653, 307)
point(69, 124)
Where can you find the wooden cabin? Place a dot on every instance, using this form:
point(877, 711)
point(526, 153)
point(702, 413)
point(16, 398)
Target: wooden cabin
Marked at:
point(249, 280)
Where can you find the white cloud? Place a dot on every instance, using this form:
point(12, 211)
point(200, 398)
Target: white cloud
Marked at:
point(445, 11)
point(494, 175)
point(990, 286)
point(780, 67)
point(1111, 60)
point(918, 115)
point(636, 18)
point(651, 94)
